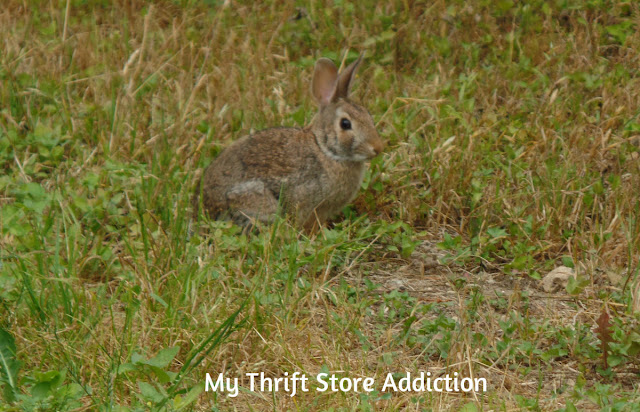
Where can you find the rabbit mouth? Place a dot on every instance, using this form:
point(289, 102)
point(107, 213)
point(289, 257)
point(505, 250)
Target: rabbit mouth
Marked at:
point(354, 157)
point(369, 153)
point(361, 157)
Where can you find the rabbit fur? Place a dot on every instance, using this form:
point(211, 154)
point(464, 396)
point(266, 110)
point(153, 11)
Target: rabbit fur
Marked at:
point(309, 173)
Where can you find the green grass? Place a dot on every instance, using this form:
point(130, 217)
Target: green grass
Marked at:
point(513, 145)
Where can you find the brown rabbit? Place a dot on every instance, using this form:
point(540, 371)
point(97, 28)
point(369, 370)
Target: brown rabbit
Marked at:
point(309, 173)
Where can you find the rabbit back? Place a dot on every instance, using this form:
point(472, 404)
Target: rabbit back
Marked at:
point(277, 170)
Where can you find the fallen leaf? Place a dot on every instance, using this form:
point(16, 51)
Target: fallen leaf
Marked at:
point(603, 331)
point(557, 279)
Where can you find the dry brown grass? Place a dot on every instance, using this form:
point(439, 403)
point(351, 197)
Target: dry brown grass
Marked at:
point(523, 120)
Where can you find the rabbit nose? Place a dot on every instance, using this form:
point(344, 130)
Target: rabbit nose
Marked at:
point(378, 146)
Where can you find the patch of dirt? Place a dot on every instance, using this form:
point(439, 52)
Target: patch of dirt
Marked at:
point(508, 301)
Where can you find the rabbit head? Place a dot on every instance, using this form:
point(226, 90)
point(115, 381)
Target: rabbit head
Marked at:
point(343, 130)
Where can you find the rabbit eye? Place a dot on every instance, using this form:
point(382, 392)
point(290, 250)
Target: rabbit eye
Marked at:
point(345, 124)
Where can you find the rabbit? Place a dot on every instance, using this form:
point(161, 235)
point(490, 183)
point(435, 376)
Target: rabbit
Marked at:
point(308, 173)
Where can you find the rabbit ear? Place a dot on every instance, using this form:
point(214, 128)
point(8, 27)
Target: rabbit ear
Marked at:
point(345, 77)
point(323, 85)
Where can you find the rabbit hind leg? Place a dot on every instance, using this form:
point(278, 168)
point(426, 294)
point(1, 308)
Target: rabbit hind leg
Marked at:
point(251, 202)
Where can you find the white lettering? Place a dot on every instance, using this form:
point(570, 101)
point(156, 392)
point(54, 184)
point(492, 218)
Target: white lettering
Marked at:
point(389, 382)
point(436, 387)
point(220, 385)
point(404, 384)
point(484, 384)
point(367, 385)
point(418, 383)
point(252, 380)
point(209, 383)
point(321, 381)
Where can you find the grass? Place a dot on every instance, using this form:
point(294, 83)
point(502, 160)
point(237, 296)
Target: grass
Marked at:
point(512, 148)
